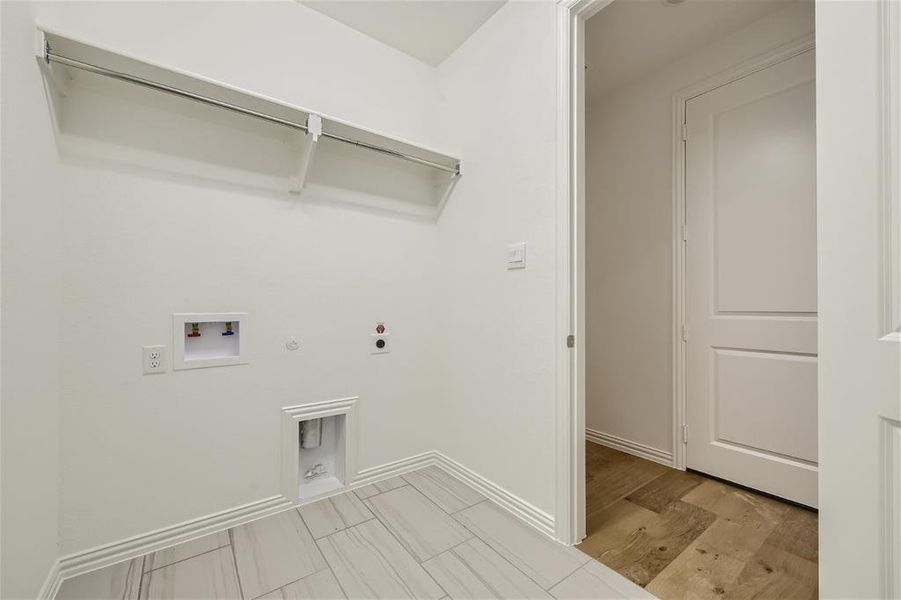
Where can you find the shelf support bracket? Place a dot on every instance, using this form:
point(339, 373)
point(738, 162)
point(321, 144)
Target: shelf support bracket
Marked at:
point(41, 53)
point(314, 131)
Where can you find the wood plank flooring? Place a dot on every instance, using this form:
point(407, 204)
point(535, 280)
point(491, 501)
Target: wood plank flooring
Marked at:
point(683, 535)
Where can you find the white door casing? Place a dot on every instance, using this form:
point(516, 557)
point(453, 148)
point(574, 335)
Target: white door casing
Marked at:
point(751, 288)
point(859, 256)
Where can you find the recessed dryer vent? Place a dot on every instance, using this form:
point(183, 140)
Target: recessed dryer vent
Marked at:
point(318, 448)
point(209, 339)
point(321, 455)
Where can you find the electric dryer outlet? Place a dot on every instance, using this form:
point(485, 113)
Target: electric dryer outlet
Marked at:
point(379, 343)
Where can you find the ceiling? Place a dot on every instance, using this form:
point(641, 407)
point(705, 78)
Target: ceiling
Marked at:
point(632, 38)
point(429, 30)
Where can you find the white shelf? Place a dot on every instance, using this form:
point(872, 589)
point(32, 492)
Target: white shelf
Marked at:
point(335, 162)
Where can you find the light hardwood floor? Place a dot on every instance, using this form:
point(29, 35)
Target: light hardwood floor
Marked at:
point(683, 535)
point(423, 535)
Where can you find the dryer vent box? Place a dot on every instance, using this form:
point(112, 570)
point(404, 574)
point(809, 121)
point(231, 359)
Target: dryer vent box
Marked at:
point(321, 459)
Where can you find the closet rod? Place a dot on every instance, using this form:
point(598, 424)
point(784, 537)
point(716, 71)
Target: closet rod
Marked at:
point(50, 56)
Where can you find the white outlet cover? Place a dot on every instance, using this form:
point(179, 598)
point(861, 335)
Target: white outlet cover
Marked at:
point(154, 359)
point(373, 343)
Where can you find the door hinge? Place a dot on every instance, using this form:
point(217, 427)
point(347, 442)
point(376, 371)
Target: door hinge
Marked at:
point(684, 132)
point(685, 434)
point(684, 332)
point(684, 232)
point(570, 341)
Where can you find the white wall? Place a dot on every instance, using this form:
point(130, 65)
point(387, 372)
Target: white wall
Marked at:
point(629, 233)
point(164, 207)
point(141, 242)
point(497, 326)
point(31, 227)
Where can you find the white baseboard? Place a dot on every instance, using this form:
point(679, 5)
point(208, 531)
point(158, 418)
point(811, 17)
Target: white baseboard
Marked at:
point(511, 502)
point(528, 513)
point(392, 469)
point(635, 448)
point(52, 583)
point(99, 557)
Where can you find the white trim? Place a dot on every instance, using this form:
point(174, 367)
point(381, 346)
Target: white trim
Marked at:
point(570, 254)
point(634, 448)
point(105, 555)
point(515, 505)
point(680, 98)
point(291, 416)
point(112, 553)
point(890, 128)
point(567, 461)
point(51, 583)
point(393, 469)
point(891, 457)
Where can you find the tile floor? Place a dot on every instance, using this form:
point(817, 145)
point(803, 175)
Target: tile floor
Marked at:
point(424, 535)
point(684, 535)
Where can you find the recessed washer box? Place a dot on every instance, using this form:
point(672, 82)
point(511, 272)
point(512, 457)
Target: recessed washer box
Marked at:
point(210, 340)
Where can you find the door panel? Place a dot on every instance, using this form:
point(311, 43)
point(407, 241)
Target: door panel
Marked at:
point(790, 383)
point(751, 287)
point(756, 169)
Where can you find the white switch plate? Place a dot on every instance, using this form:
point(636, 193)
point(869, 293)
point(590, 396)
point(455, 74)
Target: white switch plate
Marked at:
point(375, 338)
point(154, 359)
point(516, 256)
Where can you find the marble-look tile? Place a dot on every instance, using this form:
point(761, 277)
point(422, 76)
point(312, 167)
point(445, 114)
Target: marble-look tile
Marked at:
point(594, 581)
point(444, 489)
point(536, 555)
point(209, 575)
point(368, 491)
point(318, 586)
point(167, 556)
point(424, 529)
point(273, 552)
point(119, 581)
point(370, 563)
point(474, 570)
point(334, 514)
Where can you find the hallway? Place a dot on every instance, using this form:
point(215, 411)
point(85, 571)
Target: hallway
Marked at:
point(683, 535)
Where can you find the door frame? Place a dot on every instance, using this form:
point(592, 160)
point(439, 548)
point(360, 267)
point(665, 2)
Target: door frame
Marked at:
point(680, 232)
point(840, 562)
point(569, 516)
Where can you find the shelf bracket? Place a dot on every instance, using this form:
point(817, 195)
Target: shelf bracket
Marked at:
point(314, 131)
point(41, 53)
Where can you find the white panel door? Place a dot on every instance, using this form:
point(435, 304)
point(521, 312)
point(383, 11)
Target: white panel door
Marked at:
point(751, 286)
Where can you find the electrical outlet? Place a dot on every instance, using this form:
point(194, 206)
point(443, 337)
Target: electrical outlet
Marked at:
point(379, 343)
point(154, 359)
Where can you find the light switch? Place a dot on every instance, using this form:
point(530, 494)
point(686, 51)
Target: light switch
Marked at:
point(516, 256)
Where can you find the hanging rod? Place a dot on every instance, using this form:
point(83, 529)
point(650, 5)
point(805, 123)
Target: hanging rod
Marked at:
point(52, 57)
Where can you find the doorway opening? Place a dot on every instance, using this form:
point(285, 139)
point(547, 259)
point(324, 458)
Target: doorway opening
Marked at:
point(701, 295)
